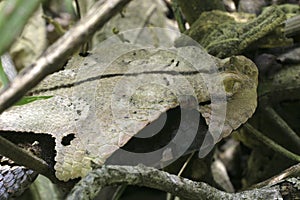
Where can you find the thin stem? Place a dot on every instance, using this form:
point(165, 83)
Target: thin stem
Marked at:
point(77, 7)
point(119, 192)
point(292, 171)
point(84, 47)
point(178, 16)
point(57, 27)
point(271, 144)
point(3, 77)
point(186, 163)
point(272, 114)
point(22, 157)
point(170, 196)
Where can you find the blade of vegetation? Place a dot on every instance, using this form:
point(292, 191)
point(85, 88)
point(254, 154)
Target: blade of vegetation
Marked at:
point(13, 17)
point(8, 66)
point(3, 78)
point(271, 144)
point(178, 16)
point(29, 99)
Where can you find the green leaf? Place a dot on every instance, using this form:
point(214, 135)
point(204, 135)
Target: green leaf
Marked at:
point(29, 99)
point(3, 77)
point(13, 17)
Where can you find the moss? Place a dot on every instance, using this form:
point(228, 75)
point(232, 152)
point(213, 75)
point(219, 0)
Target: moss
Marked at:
point(193, 8)
point(223, 34)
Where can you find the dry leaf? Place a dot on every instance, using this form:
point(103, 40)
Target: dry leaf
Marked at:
point(31, 43)
point(120, 88)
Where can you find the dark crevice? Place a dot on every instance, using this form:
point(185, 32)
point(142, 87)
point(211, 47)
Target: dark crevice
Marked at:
point(45, 142)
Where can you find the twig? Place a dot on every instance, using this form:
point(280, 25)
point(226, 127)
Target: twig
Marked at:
point(271, 144)
point(79, 12)
point(57, 26)
point(186, 163)
point(178, 16)
point(141, 175)
point(292, 26)
point(77, 7)
point(272, 114)
point(170, 196)
point(292, 171)
point(119, 192)
point(22, 157)
point(3, 77)
point(57, 53)
point(148, 16)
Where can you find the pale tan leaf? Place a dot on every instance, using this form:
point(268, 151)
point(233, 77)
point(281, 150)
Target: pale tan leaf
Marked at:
point(121, 88)
point(31, 43)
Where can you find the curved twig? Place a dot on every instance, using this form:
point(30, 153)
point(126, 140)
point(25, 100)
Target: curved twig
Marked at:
point(141, 175)
point(270, 143)
point(286, 129)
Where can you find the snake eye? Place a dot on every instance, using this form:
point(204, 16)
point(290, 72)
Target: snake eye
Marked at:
point(231, 85)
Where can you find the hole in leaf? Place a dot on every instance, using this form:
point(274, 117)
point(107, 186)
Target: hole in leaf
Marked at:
point(66, 140)
point(84, 54)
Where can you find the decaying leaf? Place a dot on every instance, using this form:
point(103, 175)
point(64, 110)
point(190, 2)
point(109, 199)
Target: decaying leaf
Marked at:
point(137, 15)
point(31, 42)
point(111, 95)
